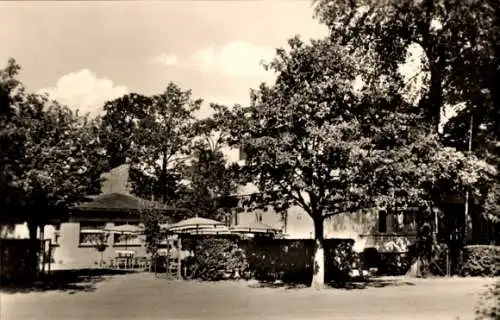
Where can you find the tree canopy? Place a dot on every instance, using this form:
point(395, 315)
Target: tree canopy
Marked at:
point(52, 157)
point(314, 140)
point(154, 134)
point(459, 41)
point(211, 179)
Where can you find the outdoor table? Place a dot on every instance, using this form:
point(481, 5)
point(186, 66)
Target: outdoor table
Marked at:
point(125, 257)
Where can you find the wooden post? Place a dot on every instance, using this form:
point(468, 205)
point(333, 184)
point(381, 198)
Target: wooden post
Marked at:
point(436, 222)
point(179, 248)
point(448, 262)
point(167, 258)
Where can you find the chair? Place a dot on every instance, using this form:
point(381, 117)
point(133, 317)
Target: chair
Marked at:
point(141, 263)
point(173, 267)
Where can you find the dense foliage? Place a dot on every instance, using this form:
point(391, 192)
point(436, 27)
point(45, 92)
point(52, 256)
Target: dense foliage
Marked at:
point(481, 260)
point(135, 129)
point(212, 181)
point(312, 140)
point(52, 157)
point(456, 47)
point(214, 259)
point(266, 259)
point(15, 261)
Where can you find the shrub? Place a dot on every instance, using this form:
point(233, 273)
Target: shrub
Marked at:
point(214, 258)
point(481, 260)
point(371, 258)
point(340, 259)
point(291, 260)
point(268, 259)
point(394, 263)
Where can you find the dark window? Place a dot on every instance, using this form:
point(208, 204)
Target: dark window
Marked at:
point(382, 221)
point(404, 221)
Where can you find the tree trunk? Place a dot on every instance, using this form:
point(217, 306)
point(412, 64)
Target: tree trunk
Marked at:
point(32, 263)
point(42, 247)
point(435, 97)
point(318, 279)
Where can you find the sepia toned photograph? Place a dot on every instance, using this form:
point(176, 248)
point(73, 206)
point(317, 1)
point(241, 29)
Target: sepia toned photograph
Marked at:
point(250, 159)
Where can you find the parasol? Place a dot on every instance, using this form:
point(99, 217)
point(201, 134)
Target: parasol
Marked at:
point(256, 227)
point(127, 230)
point(198, 225)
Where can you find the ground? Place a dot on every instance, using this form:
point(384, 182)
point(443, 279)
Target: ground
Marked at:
point(142, 296)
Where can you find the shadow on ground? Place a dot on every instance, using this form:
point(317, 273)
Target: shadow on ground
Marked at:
point(373, 283)
point(70, 281)
point(352, 285)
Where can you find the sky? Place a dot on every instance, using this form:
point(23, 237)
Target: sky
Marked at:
point(85, 53)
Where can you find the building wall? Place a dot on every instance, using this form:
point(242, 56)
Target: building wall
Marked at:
point(69, 253)
point(362, 227)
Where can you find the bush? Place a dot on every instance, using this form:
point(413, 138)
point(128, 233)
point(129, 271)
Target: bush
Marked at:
point(340, 259)
point(214, 259)
point(291, 260)
point(394, 263)
point(481, 260)
point(267, 259)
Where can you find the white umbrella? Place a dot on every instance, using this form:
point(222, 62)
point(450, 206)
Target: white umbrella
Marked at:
point(255, 228)
point(127, 230)
point(197, 224)
point(207, 231)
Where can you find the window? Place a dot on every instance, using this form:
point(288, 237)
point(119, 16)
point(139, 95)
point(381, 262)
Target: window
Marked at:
point(404, 222)
point(126, 239)
point(92, 233)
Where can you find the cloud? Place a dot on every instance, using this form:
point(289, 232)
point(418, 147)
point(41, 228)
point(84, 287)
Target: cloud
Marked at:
point(234, 59)
point(84, 91)
point(165, 59)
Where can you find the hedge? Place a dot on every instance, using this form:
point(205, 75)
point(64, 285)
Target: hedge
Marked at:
point(15, 260)
point(266, 259)
point(481, 260)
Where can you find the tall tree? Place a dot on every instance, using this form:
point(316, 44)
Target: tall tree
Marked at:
point(120, 122)
point(456, 38)
point(314, 141)
point(212, 183)
point(154, 134)
point(54, 156)
point(477, 125)
point(11, 134)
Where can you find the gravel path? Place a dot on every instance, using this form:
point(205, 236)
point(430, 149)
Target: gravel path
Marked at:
point(141, 296)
